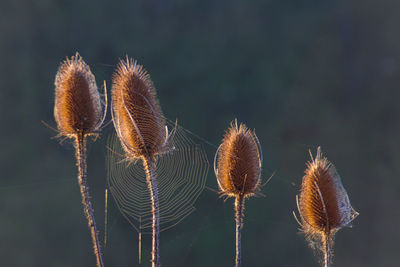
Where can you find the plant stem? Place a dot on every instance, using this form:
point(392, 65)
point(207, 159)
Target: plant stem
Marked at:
point(80, 143)
point(239, 203)
point(327, 250)
point(149, 166)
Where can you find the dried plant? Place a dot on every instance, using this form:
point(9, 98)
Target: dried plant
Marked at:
point(78, 113)
point(141, 128)
point(324, 205)
point(237, 166)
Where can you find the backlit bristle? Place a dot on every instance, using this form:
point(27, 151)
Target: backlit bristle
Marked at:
point(77, 106)
point(239, 162)
point(137, 115)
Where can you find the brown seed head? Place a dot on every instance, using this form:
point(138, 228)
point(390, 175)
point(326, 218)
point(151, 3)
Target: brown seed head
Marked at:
point(137, 115)
point(324, 205)
point(77, 106)
point(239, 162)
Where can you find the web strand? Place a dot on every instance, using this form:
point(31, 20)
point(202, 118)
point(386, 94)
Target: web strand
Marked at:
point(181, 177)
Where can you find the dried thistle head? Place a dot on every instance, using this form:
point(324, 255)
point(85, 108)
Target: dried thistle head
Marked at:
point(77, 106)
point(239, 162)
point(137, 116)
point(323, 205)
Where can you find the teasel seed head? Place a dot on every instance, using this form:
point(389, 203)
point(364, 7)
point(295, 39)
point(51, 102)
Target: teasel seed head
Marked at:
point(137, 116)
point(323, 205)
point(77, 106)
point(239, 160)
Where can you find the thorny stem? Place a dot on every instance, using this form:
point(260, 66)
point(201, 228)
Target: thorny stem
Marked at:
point(80, 142)
point(239, 203)
point(149, 166)
point(327, 250)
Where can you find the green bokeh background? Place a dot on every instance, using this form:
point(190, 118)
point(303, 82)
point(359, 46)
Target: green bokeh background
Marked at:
point(301, 73)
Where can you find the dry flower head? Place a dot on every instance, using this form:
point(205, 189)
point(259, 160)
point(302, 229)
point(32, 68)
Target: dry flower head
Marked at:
point(77, 106)
point(239, 161)
point(137, 115)
point(323, 205)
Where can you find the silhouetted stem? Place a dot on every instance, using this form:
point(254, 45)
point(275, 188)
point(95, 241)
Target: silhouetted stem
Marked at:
point(149, 166)
point(239, 203)
point(327, 250)
point(80, 142)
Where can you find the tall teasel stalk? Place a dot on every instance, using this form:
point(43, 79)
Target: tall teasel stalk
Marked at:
point(78, 113)
point(141, 128)
point(237, 166)
point(323, 205)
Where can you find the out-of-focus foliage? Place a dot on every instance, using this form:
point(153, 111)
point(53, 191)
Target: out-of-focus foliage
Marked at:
point(302, 73)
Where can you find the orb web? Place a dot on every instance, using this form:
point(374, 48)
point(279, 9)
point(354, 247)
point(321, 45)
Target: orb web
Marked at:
point(181, 176)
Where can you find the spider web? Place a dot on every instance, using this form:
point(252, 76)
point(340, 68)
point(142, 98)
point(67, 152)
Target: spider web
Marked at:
point(181, 177)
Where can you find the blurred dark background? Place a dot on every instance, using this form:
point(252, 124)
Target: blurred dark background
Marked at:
point(301, 73)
